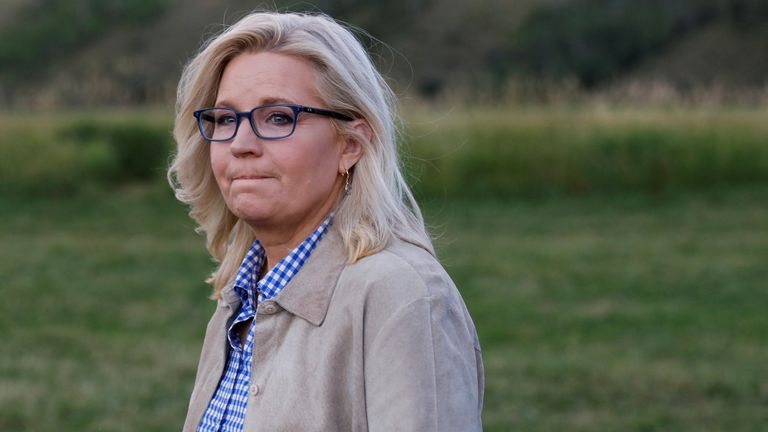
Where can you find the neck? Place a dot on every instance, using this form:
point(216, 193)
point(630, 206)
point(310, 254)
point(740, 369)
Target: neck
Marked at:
point(279, 240)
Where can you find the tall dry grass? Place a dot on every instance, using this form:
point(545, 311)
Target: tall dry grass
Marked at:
point(461, 153)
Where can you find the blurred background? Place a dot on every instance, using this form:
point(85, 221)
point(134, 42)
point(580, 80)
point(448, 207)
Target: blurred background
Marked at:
point(595, 173)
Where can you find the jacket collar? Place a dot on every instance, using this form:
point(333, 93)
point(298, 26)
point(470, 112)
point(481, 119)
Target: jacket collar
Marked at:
point(229, 295)
point(309, 293)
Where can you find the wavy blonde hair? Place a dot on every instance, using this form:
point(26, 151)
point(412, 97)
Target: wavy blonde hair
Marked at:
point(380, 206)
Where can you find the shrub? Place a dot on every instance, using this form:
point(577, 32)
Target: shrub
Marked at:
point(47, 31)
point(598, 40)
point(140, 150)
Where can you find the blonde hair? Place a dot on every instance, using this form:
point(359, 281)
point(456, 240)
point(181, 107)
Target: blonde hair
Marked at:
point(380, 205)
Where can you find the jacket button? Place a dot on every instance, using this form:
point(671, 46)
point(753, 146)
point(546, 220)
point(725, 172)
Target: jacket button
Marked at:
point(254, 389)
point(269, 308)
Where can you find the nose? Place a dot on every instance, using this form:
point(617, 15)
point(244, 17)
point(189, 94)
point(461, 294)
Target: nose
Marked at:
point(246, 141)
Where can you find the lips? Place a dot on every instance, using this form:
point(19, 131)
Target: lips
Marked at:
point(250, 177)
point(249, 174)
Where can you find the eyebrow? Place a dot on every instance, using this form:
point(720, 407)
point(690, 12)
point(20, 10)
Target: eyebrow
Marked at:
point(269, 100)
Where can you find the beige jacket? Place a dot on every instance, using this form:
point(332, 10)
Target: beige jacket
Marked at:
point(385, 344)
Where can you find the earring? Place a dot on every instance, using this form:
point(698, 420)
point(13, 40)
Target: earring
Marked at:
point(347, 183)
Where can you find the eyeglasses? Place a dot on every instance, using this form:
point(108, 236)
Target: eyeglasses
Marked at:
point(269, 122)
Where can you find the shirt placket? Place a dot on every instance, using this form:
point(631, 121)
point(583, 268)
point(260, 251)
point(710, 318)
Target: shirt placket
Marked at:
point(238, 398)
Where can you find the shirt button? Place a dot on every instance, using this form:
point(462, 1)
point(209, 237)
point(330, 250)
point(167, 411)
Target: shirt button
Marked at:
point(269, 308)
point(254, 389)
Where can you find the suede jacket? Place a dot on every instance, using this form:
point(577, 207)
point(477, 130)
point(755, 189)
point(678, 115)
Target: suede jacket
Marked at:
point(384, 344)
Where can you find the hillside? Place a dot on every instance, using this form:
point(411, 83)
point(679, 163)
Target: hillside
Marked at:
point(83, 53)
point(716, 60)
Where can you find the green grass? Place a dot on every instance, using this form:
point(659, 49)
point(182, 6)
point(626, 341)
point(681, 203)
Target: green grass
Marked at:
point(620, 313)
point(606, 313)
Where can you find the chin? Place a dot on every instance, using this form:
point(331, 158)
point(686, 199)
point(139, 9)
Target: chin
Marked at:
point(252, 209)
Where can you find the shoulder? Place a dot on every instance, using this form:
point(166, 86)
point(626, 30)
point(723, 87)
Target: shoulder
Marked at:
point(401, 269)
point(397, 280)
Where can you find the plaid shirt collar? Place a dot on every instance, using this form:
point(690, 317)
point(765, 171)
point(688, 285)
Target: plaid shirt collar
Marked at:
point(251, 291)
point(312, 288)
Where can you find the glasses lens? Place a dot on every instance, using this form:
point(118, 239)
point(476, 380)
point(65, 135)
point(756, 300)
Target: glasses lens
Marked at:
point(218, 123)
point(275, 121)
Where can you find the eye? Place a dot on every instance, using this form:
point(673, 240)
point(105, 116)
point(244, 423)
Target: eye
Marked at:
point(226, 119)
point(279, 118)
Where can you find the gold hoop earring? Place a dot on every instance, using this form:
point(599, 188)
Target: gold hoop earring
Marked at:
point(347, 183)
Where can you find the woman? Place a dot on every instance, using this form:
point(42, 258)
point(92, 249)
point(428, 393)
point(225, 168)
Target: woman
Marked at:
point(333, 313)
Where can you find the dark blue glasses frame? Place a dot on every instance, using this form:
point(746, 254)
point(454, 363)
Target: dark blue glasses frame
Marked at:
point(199, 115)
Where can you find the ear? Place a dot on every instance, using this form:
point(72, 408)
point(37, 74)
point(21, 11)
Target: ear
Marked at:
point(352, 145)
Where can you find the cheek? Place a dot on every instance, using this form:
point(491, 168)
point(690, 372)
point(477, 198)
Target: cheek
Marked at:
point(219, 162)
point(314, 168)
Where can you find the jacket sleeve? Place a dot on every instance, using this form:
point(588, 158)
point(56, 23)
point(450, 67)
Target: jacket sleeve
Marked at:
point(423, 370)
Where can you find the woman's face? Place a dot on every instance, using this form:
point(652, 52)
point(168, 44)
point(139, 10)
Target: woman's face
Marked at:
point(284, 184)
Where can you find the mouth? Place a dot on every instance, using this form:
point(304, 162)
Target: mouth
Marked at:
point(250, 177)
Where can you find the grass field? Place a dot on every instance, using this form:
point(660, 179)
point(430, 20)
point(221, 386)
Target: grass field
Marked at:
point(631, 312)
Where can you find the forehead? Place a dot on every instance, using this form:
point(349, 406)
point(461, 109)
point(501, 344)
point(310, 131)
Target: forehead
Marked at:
point(252, 79)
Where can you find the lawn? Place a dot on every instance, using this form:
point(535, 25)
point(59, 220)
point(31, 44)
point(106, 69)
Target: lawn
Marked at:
point(601, 313)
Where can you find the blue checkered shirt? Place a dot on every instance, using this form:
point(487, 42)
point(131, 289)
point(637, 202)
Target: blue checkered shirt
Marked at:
point(226, 411)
